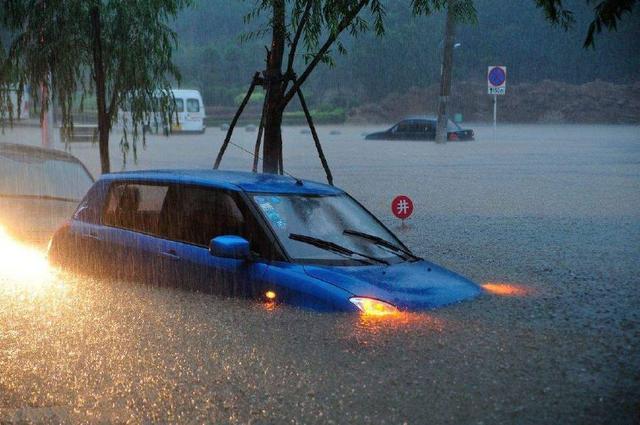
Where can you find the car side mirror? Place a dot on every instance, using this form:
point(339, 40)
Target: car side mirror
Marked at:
point(235, 247)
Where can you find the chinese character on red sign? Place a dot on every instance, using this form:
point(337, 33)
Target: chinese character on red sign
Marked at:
point(402, 207)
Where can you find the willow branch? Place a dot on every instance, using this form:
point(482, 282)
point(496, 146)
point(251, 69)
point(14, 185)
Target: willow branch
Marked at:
point(296, 38)
point(344, 23)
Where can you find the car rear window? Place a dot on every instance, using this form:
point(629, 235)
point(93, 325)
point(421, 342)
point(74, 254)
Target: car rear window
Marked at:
point(193, 105)
point(35, 176)
point(135, 206)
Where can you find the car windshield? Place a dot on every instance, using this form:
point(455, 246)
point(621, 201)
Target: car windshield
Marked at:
point(33, 175)
point(325, 218)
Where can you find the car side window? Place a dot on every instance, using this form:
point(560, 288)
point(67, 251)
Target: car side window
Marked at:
point(193, 105)
point(179, 105)
point(404, 126)
point(196, 215)
point(135, 206)
point(419, 126)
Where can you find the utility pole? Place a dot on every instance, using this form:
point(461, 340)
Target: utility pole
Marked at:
point(446, 71)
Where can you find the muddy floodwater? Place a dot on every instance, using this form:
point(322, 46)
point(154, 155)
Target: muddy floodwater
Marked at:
point(546, 217)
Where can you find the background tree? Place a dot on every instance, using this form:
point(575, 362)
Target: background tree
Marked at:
point(316, 25)
point(117, 50)
point(219, 64)
point(607, 14)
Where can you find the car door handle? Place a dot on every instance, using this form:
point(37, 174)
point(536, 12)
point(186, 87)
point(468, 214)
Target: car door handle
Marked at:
point(171, 255)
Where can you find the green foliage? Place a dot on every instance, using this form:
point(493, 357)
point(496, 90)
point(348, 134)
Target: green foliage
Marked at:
point(320, 116)
point(55, 43)
point(409, 54)
point(607, 14)
point(256, 97)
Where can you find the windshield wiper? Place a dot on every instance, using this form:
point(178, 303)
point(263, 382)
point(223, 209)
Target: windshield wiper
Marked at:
point(334, 247)
point(384, 243)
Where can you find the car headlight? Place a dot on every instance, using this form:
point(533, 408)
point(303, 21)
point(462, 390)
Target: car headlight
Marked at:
point(371, 306)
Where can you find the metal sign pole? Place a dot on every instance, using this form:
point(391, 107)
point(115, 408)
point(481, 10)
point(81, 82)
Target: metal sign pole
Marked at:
point(497, 85)
point(495, 115)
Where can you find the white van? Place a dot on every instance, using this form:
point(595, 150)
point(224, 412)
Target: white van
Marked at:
point(188, 117)
point(190, 111)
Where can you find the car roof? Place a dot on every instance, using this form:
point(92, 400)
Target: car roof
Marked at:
point(421, 117)
point(185, 92)
point(229, 180)
point(35, 152)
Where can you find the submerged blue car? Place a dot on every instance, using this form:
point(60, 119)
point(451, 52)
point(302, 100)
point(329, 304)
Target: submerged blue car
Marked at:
point(262, 236)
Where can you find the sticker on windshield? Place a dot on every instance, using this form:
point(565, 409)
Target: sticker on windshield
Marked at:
point(271, 213)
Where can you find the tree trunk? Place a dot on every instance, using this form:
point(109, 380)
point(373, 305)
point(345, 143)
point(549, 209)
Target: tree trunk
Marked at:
point(445, 78)
point(274, 85)
point(104, 122)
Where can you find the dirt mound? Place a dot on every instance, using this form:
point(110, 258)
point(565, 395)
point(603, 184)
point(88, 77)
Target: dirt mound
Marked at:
point(544, 102)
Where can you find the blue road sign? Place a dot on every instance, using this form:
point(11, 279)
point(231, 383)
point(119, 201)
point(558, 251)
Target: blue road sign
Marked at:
point(497, 76)
point(497, 80)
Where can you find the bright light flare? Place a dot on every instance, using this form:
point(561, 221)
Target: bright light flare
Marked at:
point(506, 289)
point(270, 295)
point(22, 266)
point(373, 307)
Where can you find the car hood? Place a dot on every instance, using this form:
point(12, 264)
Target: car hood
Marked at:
point(417, 285)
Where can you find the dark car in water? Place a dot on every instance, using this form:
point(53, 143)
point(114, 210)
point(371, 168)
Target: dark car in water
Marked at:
point(39, 189)
point(422, 128)
point(261, 236)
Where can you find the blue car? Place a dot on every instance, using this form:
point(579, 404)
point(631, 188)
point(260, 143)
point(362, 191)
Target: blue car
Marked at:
point(261, 236)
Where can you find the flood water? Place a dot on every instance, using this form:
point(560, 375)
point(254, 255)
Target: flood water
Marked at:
point(547, 217)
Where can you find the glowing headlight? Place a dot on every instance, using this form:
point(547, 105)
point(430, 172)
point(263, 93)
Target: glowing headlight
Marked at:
point(374, 307)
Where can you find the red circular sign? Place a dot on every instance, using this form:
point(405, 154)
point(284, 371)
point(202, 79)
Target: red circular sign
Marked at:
point(402, 207)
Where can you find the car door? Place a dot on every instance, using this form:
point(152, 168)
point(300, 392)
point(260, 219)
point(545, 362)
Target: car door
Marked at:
point(177, 122)
point(417, 131)
point(430, 130)
point(193, 217)
point(89, 251)
point(131, 233)
point(402, 131)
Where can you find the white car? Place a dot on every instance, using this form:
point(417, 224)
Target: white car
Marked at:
point(39, 190)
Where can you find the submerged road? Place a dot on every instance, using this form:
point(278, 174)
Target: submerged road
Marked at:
point(548, 217)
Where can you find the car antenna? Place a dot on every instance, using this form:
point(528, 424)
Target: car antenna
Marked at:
point(299, 181)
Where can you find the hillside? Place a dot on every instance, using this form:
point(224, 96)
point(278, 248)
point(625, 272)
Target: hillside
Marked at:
point(543, 102)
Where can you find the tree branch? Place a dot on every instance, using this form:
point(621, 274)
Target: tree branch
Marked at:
point(114, 93)
point(296, 38)
point(344, 23)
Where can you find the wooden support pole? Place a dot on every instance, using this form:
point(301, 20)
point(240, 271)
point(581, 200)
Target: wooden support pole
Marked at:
point(256, 151)
point(227, 139)
point(316, 139)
